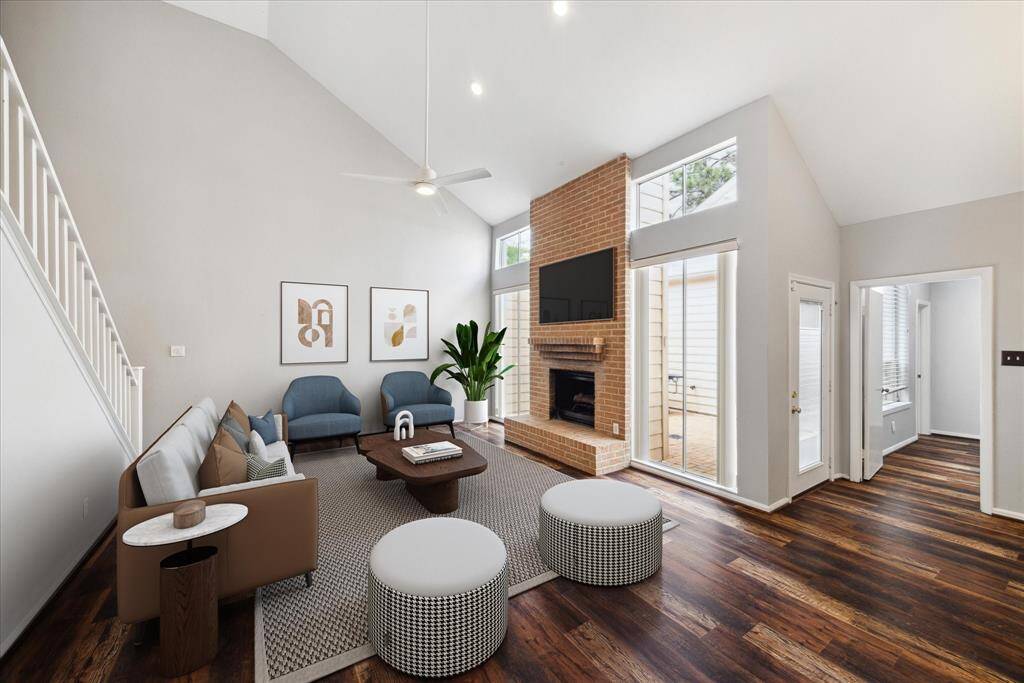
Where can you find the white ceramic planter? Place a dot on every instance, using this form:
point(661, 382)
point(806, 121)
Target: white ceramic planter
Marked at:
point(476, 411)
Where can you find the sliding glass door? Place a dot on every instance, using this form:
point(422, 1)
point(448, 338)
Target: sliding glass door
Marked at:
point(512, 394)
point(682, 328)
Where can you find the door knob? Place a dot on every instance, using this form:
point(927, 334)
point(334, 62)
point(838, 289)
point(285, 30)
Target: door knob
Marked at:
point(795, 410)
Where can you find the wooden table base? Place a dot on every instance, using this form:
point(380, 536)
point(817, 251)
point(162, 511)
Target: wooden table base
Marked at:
point(188, 610)
point(437, 498)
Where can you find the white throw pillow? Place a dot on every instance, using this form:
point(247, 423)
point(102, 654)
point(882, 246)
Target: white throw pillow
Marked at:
point(256, 445)
point(170, 470)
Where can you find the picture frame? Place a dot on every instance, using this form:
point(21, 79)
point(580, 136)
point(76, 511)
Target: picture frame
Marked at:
point(399, 324)
point(313, 323)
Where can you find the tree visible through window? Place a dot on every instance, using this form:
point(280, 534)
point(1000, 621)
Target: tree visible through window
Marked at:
point(702, 183)
point(514, 248)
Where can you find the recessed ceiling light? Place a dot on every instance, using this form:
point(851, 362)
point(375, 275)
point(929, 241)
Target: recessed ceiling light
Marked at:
point(560, 7)
point(476, 88)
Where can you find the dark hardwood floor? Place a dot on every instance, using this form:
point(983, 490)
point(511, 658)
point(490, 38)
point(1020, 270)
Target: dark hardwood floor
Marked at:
point(900, 578)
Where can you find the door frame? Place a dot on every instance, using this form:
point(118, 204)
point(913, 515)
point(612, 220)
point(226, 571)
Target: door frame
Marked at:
point(986, 277)
point(923, 380)
point(831, 304)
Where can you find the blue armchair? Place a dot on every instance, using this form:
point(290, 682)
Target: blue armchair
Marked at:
point(321, 407)
point(412, 391)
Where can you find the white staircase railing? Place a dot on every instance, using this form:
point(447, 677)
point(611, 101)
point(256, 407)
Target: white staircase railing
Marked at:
point(33, 201)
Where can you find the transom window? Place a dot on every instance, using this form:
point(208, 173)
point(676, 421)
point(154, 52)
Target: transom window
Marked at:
point(704, 181)
point(513, 248)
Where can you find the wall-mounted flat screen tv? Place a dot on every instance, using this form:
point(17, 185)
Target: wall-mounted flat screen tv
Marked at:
point(580, 288)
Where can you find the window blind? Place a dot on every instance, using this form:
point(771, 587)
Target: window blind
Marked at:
point(895, 342)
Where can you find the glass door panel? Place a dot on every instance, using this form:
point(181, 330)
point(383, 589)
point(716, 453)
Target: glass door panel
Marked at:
point(513, 393)
point(810, 383)
point(683, 369)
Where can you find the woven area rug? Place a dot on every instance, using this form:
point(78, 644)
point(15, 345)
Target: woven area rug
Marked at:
point(305, 633)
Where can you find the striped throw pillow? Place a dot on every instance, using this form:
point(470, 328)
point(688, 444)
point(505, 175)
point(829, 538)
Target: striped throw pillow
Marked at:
point(257, 468)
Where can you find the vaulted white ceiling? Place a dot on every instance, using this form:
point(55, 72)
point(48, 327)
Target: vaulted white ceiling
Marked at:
point(895, 107)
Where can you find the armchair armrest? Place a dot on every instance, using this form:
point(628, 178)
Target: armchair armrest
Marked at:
point(387, 401)
point(439, 395)
point(349, 402)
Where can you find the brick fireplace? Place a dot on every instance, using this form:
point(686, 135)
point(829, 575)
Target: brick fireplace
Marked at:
point(585, 215)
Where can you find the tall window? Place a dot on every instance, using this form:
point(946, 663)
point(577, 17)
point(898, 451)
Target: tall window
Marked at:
point(513, 392)
point(702, 182)
point(514, 248)
point(895, 343)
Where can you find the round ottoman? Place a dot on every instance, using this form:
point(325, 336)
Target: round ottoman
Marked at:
point(437, 597)
point(600, 532)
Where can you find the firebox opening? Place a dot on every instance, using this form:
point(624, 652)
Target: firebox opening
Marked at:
point(572, 396)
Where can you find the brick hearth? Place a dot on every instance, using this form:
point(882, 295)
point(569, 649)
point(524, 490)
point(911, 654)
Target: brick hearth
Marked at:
point(585, 215)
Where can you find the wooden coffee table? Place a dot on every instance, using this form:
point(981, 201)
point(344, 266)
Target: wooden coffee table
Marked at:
point(434, 484)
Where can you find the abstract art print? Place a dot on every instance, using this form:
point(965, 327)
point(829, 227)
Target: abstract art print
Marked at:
point(399, 324)
point(314, 323)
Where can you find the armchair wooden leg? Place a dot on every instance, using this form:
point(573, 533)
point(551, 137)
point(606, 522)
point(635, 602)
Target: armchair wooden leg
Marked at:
point(309, 579)
point(451, 426)
point(359, 449)
point(138, 633)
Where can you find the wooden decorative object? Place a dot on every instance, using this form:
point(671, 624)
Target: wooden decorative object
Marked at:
point(189, 513)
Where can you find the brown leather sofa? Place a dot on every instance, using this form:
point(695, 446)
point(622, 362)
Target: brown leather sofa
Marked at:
point(276, 540)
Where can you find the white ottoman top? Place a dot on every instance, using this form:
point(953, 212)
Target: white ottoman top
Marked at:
point(600, 502)
point(438, 556)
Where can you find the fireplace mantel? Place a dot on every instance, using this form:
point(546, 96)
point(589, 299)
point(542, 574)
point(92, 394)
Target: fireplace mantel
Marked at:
point(572, 348)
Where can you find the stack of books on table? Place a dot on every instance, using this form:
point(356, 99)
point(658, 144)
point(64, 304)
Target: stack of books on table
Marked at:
point(431, 452)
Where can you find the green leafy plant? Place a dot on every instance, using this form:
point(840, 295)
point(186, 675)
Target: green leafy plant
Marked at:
point(475, 365)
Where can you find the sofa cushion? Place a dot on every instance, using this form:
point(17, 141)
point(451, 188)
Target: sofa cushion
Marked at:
point(265, 427)
point(251, 485)
point(224, 463)
point(275, 451)
point(198, 422)
point(422, 414)
point(323, 425)
point(169, 471)
point(210, 408)
point(240, 416)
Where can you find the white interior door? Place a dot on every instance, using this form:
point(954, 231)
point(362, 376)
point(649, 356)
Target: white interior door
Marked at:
point(872, 383)
point(810, 363)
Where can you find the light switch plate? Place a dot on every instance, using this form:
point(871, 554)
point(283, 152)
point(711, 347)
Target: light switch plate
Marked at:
point(177, 352)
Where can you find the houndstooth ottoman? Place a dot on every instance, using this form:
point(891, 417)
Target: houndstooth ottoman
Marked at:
point(600, 532)
point(437, 597)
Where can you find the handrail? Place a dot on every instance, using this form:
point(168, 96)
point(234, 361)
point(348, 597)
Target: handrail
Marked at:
point(51, 234)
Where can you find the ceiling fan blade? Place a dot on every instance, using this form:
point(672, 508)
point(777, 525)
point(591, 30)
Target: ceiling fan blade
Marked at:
point(440, 205)
point(462, 177)
point(380, 178)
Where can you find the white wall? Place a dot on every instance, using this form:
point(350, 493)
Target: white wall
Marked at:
point(956, 357)
point(989, 232)
point(203, 168)
point(57, 449)
point(783, 227)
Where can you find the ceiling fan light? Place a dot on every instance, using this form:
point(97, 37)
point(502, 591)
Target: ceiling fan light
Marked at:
point(425, 189)
point(560, 7)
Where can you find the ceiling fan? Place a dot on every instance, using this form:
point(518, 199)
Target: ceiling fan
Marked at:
point(426, 182)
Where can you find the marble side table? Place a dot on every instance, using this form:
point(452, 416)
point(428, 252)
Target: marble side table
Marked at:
point(188, 586)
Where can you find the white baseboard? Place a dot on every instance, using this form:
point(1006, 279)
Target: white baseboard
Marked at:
point(839, 475)
point(1012, 514)
point(943, 432)
point(901, 444)
point(710, 488)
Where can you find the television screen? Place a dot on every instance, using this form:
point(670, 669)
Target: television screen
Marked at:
point(580, 288)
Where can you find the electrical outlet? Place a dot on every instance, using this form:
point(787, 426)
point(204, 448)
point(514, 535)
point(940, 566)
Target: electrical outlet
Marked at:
point(615, 428)
point(85, 508)
point(1013, 357)
point(177, 352)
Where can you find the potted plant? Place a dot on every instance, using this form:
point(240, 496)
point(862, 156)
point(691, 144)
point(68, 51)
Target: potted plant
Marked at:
point(475, 366)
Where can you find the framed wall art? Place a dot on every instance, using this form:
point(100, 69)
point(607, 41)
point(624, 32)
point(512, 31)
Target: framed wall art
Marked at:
point(314, 323)
point(399, 324)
